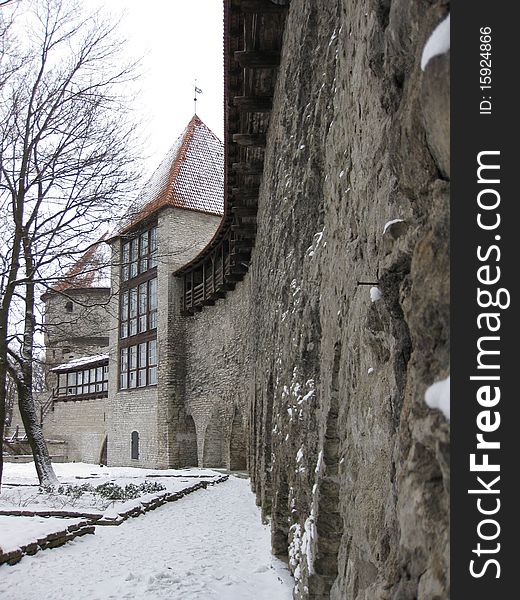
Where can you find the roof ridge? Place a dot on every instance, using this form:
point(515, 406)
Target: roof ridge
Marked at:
point(188, 136)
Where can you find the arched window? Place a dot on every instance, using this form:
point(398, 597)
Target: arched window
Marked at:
point(135, 445)
point(69, 306)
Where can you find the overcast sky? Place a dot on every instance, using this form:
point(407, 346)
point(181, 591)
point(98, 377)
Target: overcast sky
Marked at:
point(180, 41)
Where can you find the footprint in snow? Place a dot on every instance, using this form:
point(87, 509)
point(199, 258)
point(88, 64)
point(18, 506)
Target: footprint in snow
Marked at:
point(261, 569)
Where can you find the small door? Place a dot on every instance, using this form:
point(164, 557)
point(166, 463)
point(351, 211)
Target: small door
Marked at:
point(135, 445)
point(103, 454)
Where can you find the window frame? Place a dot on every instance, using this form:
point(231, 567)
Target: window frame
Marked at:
point(139, 253)
point(134, 445)
point(92, 379)
point(134, 373)
point(141, 318)
point(138, 300)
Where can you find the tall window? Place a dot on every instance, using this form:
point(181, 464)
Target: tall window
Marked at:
point(139, 254)
point(135, 445)
point(138, 311)
point(138, 366)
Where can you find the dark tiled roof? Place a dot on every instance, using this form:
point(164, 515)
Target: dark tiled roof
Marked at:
point(191, 176)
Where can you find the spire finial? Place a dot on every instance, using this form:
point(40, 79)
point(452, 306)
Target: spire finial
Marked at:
point(196, 90)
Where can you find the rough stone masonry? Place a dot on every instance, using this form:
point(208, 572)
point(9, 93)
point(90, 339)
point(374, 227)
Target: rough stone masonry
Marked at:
point(345, 456)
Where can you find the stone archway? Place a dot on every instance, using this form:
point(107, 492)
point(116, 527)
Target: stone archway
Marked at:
point(329, 523)
point(188, 445)
point(214, 438)
point(237, 443)
point(103, 453)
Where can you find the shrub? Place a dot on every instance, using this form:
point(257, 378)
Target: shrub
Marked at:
point(112, 491)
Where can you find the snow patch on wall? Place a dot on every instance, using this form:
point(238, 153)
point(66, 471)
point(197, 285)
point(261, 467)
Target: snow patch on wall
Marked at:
point(390, 223)
point(438, 42)
point(438, 396)
point(309, 535)
point(375, 294)
point(316, 241)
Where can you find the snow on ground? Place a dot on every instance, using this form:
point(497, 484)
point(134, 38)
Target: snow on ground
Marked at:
point(210, 545)
point(21, 531)
point(69, 472)
point(20, 486)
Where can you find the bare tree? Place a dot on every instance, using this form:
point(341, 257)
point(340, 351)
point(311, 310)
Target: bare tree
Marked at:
point(67, 151)
point(11, 399)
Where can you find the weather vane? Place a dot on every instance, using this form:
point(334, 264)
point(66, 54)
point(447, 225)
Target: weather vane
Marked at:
point(196, 90)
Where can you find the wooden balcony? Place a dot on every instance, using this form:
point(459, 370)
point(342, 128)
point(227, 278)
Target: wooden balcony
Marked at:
point(218, 273)
point(253, 34)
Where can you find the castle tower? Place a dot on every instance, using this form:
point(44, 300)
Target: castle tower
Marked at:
point(73, 407)
point(76, 317)
point(173, 218)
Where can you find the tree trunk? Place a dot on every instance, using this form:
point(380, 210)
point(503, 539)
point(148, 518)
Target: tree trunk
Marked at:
point(3, 378)
point(24, 381)
point(31, 423)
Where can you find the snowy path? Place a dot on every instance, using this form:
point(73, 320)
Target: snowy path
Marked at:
point(210, 545)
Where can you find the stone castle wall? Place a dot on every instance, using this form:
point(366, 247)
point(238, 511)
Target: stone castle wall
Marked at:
point(344, 455)
point(218, 379)
point(355, 472)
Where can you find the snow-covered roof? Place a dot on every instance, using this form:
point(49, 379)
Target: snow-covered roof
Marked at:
point(83, 361)
point(191, 176)
point(92, 270)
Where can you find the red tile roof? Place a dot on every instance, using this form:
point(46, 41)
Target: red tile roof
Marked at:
point(92, 270)
point(191, 176)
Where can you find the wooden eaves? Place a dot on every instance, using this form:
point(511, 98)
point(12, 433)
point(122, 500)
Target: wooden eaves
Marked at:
point(253, 32)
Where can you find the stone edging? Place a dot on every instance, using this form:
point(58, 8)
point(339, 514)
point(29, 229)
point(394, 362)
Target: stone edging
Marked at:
point(51, 540)
point(55, 539)
point(159, 500)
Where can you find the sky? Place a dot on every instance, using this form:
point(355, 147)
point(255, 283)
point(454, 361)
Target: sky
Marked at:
point(179, 42)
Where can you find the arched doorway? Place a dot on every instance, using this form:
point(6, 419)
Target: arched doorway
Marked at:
point(103, 455)
point(214, 443)
point(237, 444)
point(188, 443)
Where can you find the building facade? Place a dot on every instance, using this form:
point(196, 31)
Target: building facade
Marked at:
point(115, 340)
point(271, 352)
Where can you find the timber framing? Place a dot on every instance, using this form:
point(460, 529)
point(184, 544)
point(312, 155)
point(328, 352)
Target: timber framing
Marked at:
point(253, 33)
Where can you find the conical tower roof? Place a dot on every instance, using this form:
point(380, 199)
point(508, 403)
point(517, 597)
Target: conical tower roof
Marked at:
point(92, 270)
point(191, 176)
